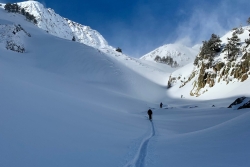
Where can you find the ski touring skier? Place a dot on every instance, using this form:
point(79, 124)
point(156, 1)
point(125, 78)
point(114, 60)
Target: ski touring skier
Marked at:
point(150, 114)
point(161, 105)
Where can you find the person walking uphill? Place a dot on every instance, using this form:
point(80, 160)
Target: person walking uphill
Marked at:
point(150, 114)
point(161, 105)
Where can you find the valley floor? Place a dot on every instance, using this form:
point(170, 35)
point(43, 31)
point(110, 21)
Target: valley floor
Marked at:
point(49, 118)
point(64, 104)
point(197, 134)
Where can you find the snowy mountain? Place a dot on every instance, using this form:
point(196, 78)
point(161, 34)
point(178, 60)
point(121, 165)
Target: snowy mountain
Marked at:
point(210, 75)
point(62, 27)
point(178, 52)
point(65, 104)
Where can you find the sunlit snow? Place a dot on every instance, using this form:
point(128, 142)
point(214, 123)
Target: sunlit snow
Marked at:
point(63, 103)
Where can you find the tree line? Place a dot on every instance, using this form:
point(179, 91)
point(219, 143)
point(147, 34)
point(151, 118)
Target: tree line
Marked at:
point(14, 8)
point(213, 46)
point(166, 60)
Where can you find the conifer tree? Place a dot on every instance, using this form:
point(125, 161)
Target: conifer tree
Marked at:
point(204, 48)
point(232, 47)
point(22, 11)
point(248, 20)
point(119, 49)
point(157, 58)
point(175, 64)
point(211, 47)
point(247, 41)
point(196, 60)
point(8, 7)
point(214, 43)
point(15, 8)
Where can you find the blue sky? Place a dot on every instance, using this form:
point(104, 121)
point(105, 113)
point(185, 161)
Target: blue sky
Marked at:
point(139, 26)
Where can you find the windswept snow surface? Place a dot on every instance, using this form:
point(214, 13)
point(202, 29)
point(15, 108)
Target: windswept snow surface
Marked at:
point(66, 104)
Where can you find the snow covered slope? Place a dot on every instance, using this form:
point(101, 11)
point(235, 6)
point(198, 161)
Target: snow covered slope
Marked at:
point(13, 36)
point(243, 35)
point(67, 104)
point(61, 27)
point(180, 53)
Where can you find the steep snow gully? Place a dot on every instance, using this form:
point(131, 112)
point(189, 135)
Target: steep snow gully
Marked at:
point(139, 158)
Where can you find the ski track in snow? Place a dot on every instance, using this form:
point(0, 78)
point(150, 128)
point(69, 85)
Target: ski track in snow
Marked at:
point(140, 157)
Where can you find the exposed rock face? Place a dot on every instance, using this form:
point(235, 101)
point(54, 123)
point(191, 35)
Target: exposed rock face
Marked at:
point(240, 103)
point(237, 101)
point(208, 76)
point(246, 105)
point(211, 68)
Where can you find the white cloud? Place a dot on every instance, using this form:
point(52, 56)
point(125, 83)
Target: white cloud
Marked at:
point(203, 22)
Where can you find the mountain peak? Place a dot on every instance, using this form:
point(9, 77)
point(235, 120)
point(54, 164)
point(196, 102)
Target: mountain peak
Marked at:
point(53, 23)
point(178, 52)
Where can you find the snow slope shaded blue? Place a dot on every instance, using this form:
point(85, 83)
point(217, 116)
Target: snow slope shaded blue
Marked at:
point(64, 104)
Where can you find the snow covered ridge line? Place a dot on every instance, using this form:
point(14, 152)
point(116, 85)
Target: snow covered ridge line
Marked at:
point(61, 27)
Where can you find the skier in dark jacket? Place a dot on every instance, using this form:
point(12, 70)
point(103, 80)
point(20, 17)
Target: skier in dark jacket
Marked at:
point(150, 114)
point(161, 105)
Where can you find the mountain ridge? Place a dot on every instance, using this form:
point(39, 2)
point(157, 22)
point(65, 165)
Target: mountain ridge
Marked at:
point(53, 23)
point(201, 75)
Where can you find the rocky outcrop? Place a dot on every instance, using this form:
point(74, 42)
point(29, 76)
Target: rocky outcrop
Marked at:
point(220, 60)
point(246, 105)
point(221, 67)
point(208, 76)
point(240, 103)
